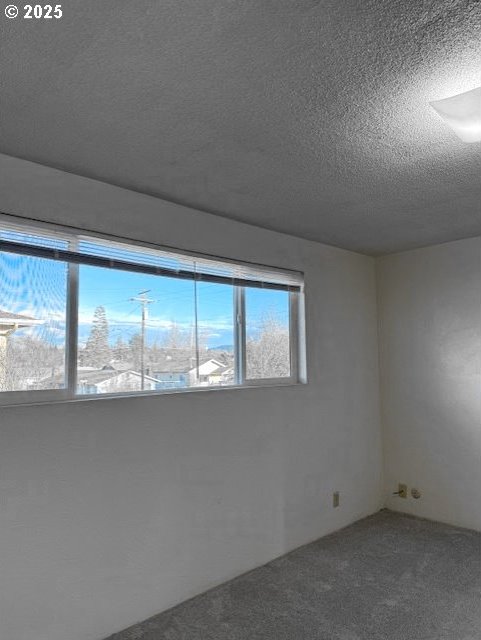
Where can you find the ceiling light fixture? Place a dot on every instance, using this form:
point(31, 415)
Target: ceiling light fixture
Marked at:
point(462, 113)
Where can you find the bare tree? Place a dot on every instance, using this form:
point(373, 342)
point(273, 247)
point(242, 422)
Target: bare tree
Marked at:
point(268, 351)
point(32, 363)
point(121, 350)
point(177, 338)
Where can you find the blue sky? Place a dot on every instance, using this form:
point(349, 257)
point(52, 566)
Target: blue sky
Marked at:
point(36, 287)
point(172, 303)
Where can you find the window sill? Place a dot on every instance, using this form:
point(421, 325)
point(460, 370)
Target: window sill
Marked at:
point(67, 399)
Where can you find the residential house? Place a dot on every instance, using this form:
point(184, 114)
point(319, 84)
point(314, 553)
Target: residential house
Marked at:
point(110, 380)
point(176, 371)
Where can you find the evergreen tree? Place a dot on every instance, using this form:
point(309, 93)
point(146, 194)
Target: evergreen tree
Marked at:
point(97, 351)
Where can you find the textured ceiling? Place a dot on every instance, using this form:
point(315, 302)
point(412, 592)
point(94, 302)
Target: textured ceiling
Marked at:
point(304, 116)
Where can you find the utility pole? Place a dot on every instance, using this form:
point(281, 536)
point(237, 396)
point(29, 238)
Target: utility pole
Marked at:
point(144, 301)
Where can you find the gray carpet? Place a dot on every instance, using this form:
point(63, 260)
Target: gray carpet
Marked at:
point(389, 577)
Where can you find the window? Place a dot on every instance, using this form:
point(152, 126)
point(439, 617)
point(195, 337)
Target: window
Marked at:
point(83, 315)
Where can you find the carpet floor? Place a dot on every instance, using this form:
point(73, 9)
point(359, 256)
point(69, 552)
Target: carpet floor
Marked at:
point(388, 577)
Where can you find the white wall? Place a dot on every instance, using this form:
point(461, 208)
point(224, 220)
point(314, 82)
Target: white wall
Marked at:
point(113, 510)
point(430, 345)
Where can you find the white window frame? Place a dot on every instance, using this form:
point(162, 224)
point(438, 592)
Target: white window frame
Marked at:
point(69, 393)
point(295, 300)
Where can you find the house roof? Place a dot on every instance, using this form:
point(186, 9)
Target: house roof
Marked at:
point(96, 377)
point(222, 370)
point(16, 318)
point(178, 360)
point(182, 364)
point(175, 361)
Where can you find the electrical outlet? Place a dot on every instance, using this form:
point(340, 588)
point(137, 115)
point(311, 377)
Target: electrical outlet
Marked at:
point(336, 499)
point(402, 490)
point(416, 494)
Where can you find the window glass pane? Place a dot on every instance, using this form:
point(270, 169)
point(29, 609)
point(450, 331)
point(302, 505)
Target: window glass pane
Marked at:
point(139, 332)
point(136, 332)
point(215, 314)
point(267, 334)
point(33, 302)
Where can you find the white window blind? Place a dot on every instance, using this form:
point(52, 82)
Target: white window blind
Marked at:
point(82, 249)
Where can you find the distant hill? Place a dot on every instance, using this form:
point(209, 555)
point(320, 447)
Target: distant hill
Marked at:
point(223, 347)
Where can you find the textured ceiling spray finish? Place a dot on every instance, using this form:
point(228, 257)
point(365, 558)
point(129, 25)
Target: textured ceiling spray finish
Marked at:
point(309, 117)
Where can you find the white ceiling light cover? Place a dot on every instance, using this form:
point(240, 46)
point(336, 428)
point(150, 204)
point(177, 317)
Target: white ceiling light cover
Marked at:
point(462, 113)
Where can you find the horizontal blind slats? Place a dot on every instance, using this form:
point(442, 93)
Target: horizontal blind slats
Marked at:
point(117, 255)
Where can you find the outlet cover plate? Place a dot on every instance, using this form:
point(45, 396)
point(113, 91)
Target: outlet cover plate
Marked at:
point(403, 490)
